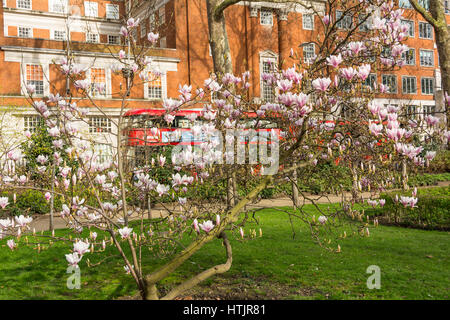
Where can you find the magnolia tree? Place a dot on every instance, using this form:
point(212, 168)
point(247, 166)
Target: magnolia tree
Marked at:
point(109, 204)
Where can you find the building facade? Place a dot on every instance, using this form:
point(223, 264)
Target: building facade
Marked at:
point(35, 34)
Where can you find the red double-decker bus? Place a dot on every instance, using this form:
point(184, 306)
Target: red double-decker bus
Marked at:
point(147, 131)
point(147, 127)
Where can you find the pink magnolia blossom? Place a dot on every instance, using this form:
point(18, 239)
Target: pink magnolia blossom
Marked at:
point(376, 129)
point(217, 220)
point(153, 37)
point(73, 259)
point(207, 226)
point(11, 244)
point(322, 219)
point(430, 155)
point(123, 32)
point(321, 84)
point(395, 134)
point(408, 201)
point(195, 224)
point(48, 196)
point(81, 247)
point(131, 23)
point(348, 73)
point(4, 201)
point(22, 221)
point(334, 61)
point(125, 232)
point(284, 85)
point(356, 47)
point(431, 120)
point(364, 71)
point(372, 203)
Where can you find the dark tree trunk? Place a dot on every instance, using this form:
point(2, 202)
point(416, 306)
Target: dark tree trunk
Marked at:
point(443, 46)
point(218, 39)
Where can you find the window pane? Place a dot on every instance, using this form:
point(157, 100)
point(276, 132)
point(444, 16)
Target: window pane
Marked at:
point(266, 17)
point(24, 4)
point(35, 76)
point(154, 86)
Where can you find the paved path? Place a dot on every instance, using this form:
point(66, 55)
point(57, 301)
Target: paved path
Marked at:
point(42, 222)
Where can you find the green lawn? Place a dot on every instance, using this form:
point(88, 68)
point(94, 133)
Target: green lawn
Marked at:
point(414, 265)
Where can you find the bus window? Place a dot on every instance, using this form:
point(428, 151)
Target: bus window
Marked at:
point(183, 123)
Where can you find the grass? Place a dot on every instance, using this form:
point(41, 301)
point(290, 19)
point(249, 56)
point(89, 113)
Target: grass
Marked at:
point(414, 265)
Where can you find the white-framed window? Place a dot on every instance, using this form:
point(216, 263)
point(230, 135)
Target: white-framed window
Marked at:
point(98, 79)
point(5, 4)
point(143, 29)
point(409, 57)
point(309, 52)
point(425, 4)
point(429, 110)
point(58, 6)
point(447, 6)
point(24, 4)
point(154, 87)
point(371, 81)
point(112, 11)
point(425, 30)
point(427, 85)
point(92, 37)
point(34, 75)
point(411, 112)
point(163, 42)
point(133, 33)
point(266, 17)
point(31, 123)
point(151, 21)
point(103, 152)
point(25, 32)
point(162, 15)
point(308, 21)
point(267, 89)
point(426, 58)
point(411, 27)
point(59, 35)
point(390, 81)
point(405, 4)
point(91, 9)
point(366, 25)
point(99, 124)
point(113, 39)
point(268, 61)
point(345, 22)
point(409, 85)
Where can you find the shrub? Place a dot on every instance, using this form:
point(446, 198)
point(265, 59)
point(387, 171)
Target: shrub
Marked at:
point(30, 202)
point(432, 211)
point(441, 163)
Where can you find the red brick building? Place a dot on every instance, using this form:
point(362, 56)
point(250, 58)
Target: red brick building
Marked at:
point(34, 35)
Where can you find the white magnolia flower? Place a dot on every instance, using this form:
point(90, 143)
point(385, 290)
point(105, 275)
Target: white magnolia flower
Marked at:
point(73, 259)
point(81, 247)
point(125, 232)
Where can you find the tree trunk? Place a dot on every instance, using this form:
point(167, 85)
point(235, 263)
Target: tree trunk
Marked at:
point(218, 39)
point(437, 18)
point(295, 199)
point(443, 45)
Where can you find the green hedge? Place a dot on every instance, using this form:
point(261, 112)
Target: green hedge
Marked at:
point(432, 212)
point(30, 202)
